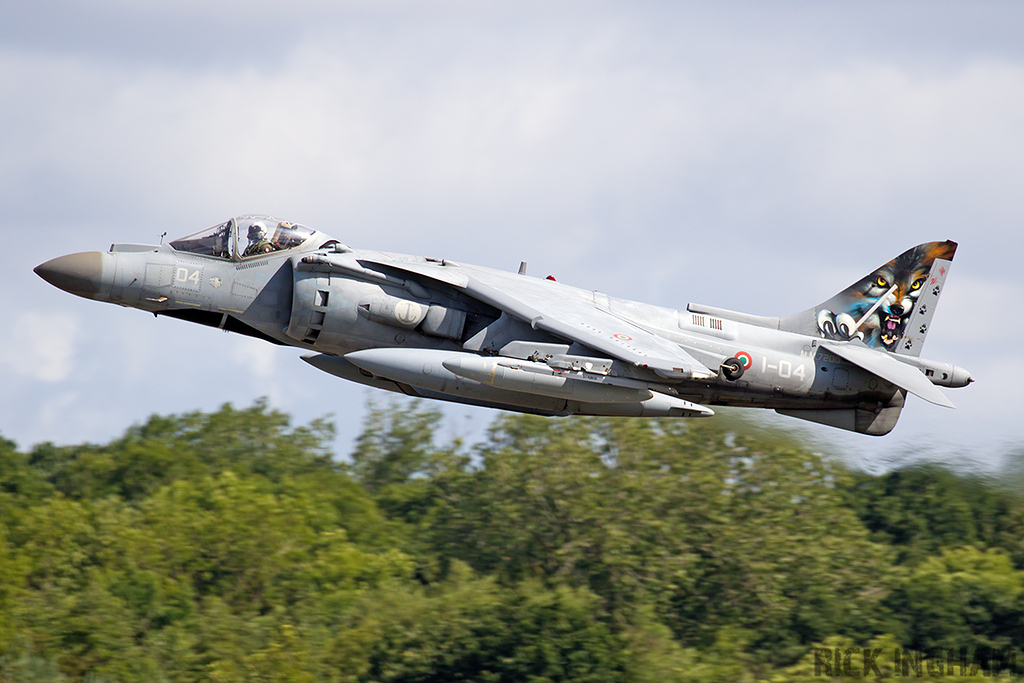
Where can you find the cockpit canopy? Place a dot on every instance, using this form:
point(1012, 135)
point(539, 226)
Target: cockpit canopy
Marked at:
point(245, 237)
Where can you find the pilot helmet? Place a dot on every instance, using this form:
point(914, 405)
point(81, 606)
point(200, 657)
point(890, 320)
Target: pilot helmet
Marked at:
point(257, 230)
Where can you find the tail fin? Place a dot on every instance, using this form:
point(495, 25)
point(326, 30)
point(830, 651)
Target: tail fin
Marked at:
point(889, 309)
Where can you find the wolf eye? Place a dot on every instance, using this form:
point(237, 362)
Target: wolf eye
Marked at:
point(918, 282)
point(881, 281)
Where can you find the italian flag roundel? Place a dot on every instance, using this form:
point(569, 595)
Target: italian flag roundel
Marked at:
point(745, 358)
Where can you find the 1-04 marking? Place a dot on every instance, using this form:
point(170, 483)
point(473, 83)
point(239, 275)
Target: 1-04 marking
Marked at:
point(784, 369)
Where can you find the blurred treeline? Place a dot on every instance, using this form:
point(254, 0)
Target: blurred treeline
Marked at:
point(232, 546)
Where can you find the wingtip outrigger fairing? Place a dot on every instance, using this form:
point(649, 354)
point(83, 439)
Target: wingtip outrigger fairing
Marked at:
point(455, 332)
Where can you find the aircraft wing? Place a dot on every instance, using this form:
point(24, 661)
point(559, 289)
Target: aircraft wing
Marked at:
point(567, 312)
point(888, 368)
point(434, 270)
point(571, 313)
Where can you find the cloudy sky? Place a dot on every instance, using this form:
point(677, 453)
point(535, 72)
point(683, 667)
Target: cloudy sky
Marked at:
point(753, 156)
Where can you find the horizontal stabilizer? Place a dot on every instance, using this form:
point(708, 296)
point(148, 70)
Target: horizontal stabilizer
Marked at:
point(890, 369)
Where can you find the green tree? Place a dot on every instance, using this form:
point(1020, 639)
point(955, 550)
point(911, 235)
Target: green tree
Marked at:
point(718, 529)
point(12, 583)
point(396, 444)
point(256, 440)
point(231, 546)
point(21, 483)
point(964, 597)
point(70, 611)
point(922, 509)
point(471, 629)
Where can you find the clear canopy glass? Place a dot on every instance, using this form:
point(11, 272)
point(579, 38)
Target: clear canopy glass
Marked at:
point(244, 237)
point(263, 235)
point(216, 241)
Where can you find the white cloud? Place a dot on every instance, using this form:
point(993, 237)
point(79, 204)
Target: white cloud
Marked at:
point(253, 359)
point(557, 129)
point(40, 346)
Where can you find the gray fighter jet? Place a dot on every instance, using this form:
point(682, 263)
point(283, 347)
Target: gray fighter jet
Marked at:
point(438, 329)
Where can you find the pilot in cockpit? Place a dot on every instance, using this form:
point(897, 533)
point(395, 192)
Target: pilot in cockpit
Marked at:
point(258, 242)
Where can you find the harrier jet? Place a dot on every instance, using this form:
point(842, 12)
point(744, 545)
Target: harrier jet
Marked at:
point(434, 328)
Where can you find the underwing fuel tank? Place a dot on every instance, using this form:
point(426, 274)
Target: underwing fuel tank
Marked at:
point(538, 378)
point(430, 370)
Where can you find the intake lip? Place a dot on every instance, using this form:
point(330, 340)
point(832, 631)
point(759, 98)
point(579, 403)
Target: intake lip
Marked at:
point(80, 274)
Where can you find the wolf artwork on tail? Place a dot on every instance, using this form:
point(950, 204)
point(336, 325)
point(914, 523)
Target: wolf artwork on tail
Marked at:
point(891, 307)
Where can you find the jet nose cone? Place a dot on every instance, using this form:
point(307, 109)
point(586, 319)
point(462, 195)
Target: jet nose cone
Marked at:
point(80, 274)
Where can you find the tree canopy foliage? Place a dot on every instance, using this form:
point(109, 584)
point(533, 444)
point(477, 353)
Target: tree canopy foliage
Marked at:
point(233, 546)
